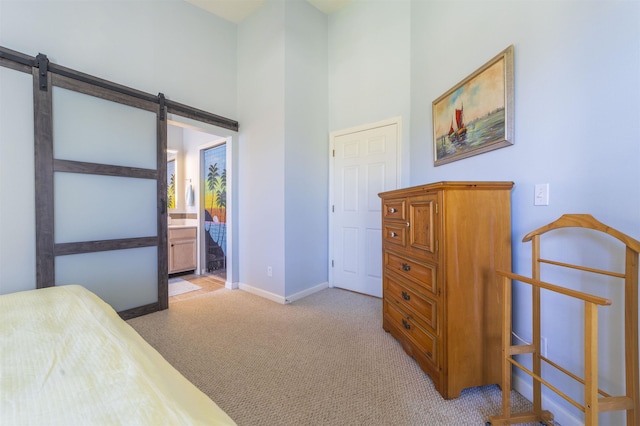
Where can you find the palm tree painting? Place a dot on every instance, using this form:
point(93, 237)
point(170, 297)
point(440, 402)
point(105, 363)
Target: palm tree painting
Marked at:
point(171, 185)
point(212, 178)
point(215, 202)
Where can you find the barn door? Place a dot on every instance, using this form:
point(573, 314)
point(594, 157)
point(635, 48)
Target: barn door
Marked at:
point(101, 193)
point(100, 207)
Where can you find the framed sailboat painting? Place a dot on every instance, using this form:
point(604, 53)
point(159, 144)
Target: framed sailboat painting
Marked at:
point(476, 115)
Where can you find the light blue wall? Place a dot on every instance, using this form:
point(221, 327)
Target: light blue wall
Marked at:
point(306, 148)
point(577, 85)
point(144, 45)
point(140, 44)
point(17, 183)
point(370, 67)
point(577, 79)
point(261, 188)
point(577, 93)
point(282, 80)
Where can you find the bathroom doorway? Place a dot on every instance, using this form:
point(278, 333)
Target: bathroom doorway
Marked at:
point(213, 160)
point(204, 203)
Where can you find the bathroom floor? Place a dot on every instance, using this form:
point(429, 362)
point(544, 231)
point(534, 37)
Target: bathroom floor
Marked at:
point(208, 283)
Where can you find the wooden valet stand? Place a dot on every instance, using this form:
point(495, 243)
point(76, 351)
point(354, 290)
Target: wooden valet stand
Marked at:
point(595, 400)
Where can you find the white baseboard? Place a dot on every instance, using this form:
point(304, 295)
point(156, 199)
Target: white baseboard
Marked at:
point(560, 414)
point(262, 293)
point(279, 299)
point(307, 292)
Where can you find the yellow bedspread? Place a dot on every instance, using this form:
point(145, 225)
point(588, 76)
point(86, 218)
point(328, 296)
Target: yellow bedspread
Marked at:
point(67, 358)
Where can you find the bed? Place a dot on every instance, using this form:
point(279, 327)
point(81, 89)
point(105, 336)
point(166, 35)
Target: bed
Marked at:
point(68, 358)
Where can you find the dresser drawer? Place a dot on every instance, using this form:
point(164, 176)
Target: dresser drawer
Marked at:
point(394, 210)
point(425, 341)
point(394, 233)
point(182, 233)
point(406, 298)
point(420, 273)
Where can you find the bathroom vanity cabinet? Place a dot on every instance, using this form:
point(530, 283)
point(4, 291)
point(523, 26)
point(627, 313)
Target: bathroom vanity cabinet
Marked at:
point(182, 242)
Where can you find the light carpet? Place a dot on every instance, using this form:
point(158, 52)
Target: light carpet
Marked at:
point(322, 360)
point(180, 286)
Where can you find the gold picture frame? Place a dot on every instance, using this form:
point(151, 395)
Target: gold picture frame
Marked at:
point(476, 115)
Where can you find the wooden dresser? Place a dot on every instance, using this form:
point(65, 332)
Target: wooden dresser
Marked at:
point(442, 243)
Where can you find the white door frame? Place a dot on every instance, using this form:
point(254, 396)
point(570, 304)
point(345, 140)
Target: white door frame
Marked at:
point(230, 282)
point(231, 139)
point(332, 137)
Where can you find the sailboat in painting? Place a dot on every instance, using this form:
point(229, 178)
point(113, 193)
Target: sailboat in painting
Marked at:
point(458, 135)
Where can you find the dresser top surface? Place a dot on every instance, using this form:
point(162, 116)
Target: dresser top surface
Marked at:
point(458, 185)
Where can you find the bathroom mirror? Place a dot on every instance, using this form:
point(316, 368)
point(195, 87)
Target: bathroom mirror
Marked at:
point(172, 179)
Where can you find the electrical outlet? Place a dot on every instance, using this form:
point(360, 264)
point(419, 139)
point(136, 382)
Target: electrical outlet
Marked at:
point(269, 271)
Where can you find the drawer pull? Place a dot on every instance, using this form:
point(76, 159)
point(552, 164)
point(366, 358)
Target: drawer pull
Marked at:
point(406, 324)
point(429, 355)
point(406, 295)
point(406, 267)
point(393, 235)
point(392, 210)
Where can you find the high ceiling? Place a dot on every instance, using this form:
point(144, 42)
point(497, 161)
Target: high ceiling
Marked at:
point(237, 10)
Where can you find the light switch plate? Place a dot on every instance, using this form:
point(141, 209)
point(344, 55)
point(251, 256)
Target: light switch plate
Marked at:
point(541, 194)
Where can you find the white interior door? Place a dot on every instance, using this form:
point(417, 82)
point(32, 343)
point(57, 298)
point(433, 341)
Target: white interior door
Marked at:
point(364, 164)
